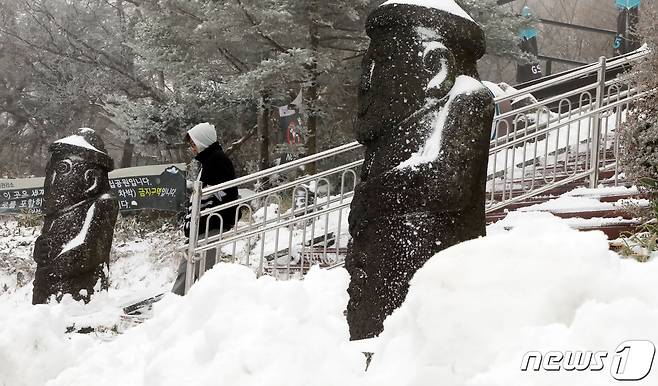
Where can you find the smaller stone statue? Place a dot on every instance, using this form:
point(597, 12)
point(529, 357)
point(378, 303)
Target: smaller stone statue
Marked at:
point(72, 253)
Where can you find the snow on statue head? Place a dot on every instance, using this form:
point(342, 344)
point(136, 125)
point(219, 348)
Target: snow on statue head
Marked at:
point(72, 252)
point(415, 52)
point(425, 119)
point(75, 170)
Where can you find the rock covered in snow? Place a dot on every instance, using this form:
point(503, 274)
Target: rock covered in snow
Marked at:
point(425, 120)
point(72, 253)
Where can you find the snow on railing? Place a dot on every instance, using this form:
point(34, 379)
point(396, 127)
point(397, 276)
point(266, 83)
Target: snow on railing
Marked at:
point(297, 221)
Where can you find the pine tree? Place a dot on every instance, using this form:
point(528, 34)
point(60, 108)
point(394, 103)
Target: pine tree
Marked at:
point(261, 47)
point(66, 56)
point(157, 67)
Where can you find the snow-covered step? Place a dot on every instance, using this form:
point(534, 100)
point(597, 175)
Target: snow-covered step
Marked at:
point(579, 202)
point(613, 229)
point(555, 191)
point(605, 209)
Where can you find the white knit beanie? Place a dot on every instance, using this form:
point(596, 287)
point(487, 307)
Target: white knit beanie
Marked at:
point(203, 135)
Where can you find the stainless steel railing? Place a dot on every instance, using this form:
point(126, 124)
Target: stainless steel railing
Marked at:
point(541, 145)
point(563, 139)
point(285, 228)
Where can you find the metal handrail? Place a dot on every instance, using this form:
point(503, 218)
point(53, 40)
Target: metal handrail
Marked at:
point(281, 168)
point(574, 119)
point(279, 188)
point(613, 63)
point(265, 225)
point(545, 102)
point(537, 191)
point(255, 232)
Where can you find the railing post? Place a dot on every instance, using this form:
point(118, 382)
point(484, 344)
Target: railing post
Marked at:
point(194, 234)
point(596, 126)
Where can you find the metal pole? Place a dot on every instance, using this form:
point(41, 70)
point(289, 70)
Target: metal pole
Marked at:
point(194, 234)
point(596, 126)
point(627, 34)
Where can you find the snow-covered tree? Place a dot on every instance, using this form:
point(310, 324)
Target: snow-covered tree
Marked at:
point(639, 155)
point(62, 58)
point(501, 27)
point(237, 52)
point(157, 67)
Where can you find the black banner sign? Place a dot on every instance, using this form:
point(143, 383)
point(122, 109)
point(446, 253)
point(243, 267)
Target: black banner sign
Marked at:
point(160, 187)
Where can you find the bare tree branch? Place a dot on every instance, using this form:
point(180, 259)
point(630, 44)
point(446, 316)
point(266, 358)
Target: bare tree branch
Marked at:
point(237, 144)
point(274, 43)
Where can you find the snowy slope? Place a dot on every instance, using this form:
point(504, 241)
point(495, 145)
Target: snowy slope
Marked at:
point(471, 314)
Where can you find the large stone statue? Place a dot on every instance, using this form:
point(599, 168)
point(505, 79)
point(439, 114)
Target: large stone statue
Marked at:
point(425, 119)
point(72, 253)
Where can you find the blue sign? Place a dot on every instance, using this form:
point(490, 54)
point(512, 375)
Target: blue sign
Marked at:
point(628, 4)
point(528, 33)
point(617, 42)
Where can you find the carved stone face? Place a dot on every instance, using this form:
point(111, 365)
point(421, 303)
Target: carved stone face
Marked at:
point(69, 180)
point(77, 170)
point(401, 69)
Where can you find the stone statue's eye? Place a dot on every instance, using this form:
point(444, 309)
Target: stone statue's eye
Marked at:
point(432, 60)
point(63, 167)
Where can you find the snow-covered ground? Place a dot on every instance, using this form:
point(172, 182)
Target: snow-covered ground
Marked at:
point(472, 313)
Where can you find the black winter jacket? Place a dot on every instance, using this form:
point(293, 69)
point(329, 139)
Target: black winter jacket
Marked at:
point(216, 168)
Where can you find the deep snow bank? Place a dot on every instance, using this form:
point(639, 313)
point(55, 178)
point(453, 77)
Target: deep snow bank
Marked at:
point(471, 314)
point(475, 309)
point(230, 329)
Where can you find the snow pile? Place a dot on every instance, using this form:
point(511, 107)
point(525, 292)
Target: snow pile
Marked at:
point(143, 266)
point(33, 347)
point(516, 218)
point(474, 310)
point(603, 191)
point(471, 314)
point(16, 264)
point(449, 6)
point(572, 203)
point(231, 329)
point(569, 204)
point(495, 89)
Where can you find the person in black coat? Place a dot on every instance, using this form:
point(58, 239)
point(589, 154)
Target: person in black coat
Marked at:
point(216, 168)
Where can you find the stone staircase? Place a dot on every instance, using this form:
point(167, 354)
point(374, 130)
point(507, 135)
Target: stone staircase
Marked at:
point(612, 210)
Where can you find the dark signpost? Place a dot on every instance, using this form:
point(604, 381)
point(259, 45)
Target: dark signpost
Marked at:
point(627, 39)
point(528, 71)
